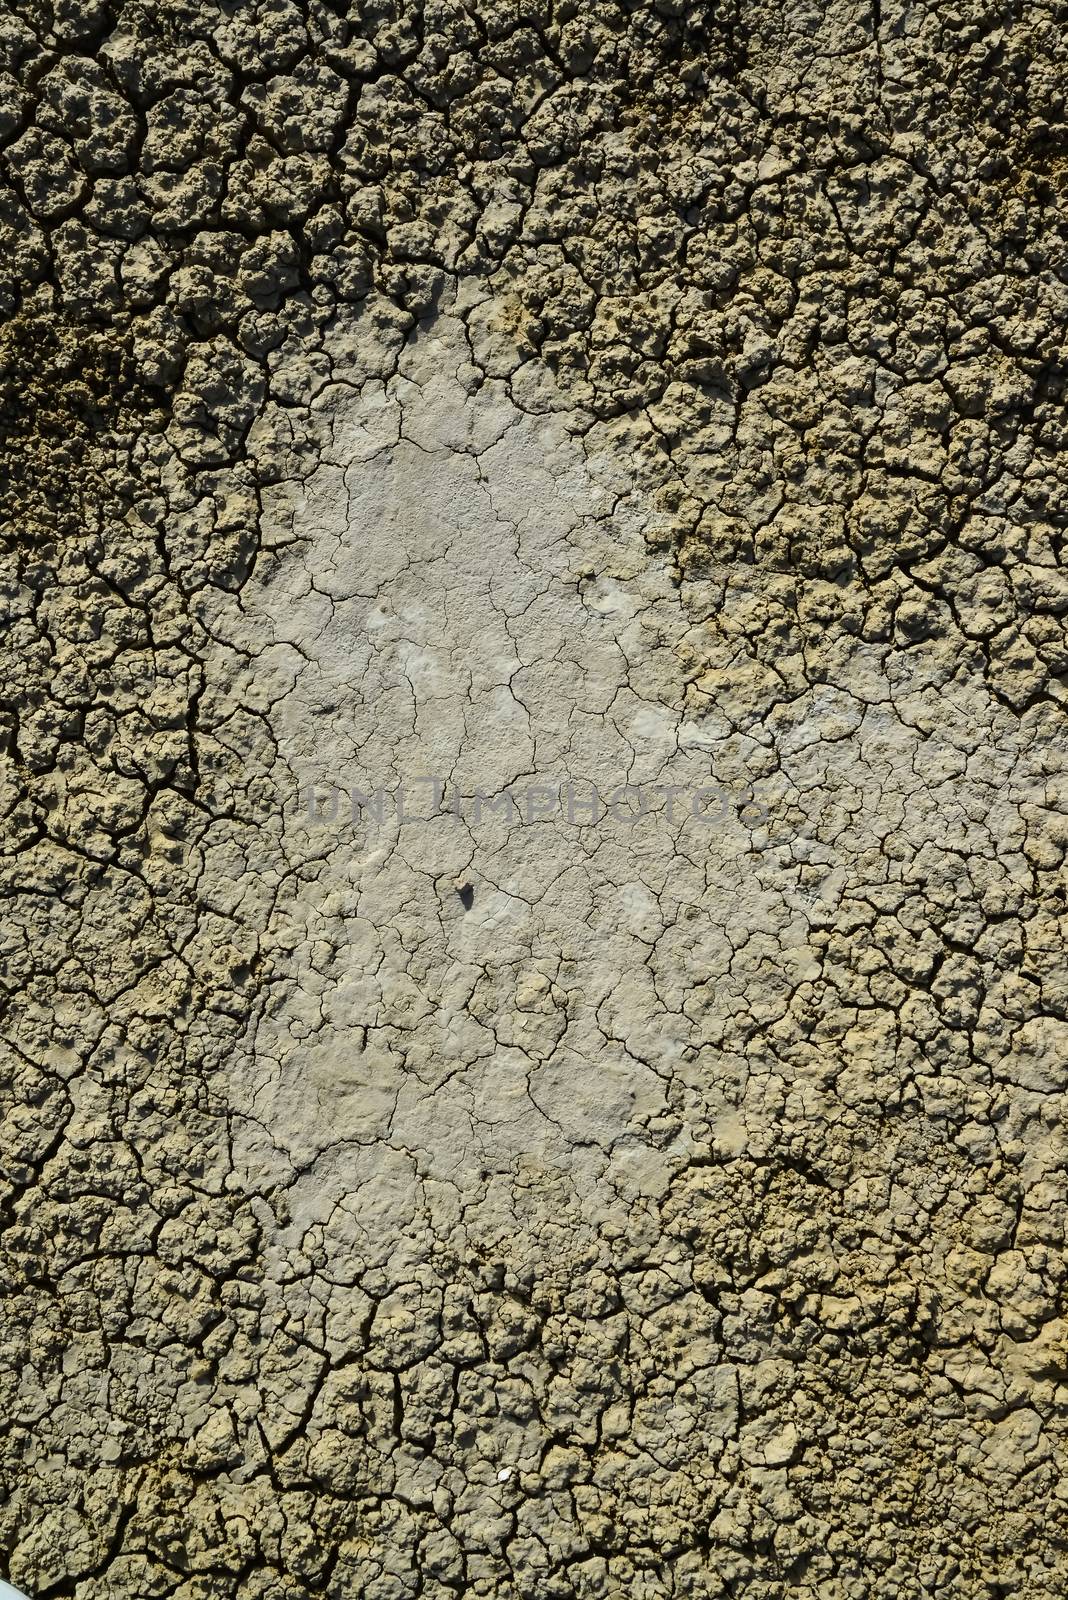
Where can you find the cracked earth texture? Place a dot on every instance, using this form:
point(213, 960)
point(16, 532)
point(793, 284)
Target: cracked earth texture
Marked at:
point(524, 392)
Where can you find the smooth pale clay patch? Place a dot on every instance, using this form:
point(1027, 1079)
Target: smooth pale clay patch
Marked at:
point(479, 618)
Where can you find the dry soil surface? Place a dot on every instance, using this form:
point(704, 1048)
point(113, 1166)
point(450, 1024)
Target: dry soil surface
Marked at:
point(534, 1000)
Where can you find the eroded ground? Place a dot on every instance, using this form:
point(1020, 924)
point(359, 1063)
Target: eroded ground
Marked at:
point(495, 1199)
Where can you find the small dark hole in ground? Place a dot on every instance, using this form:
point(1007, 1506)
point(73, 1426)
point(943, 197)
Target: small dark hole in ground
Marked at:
point(467, 895)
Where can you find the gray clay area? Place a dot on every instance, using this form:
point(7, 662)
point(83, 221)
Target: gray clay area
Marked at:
point(535, 1027)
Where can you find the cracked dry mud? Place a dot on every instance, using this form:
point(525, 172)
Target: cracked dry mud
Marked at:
point(498, 1202)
